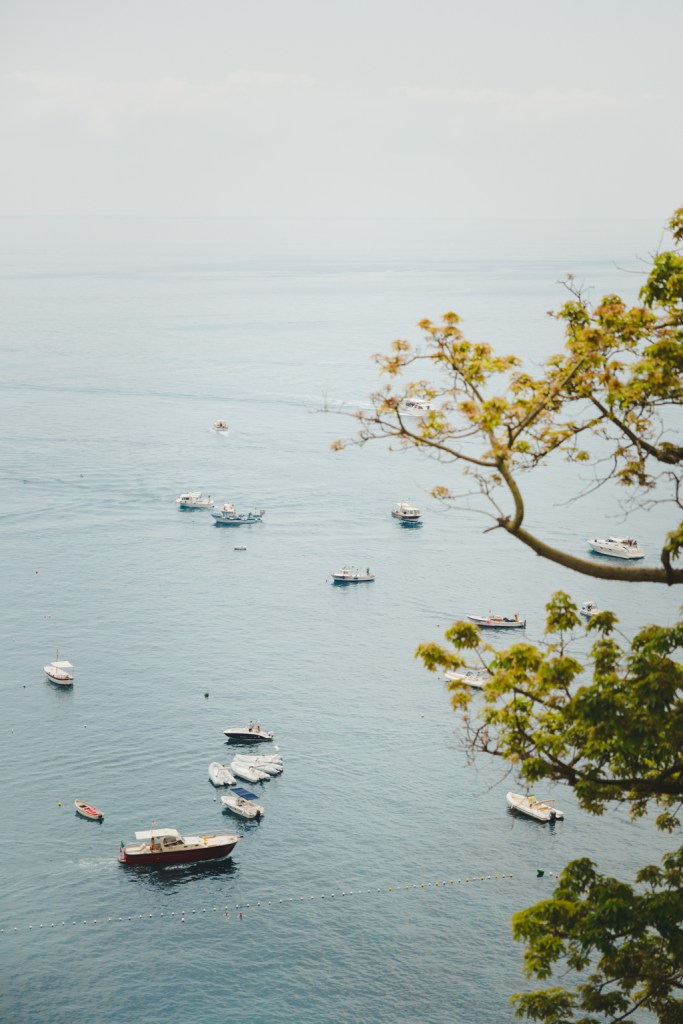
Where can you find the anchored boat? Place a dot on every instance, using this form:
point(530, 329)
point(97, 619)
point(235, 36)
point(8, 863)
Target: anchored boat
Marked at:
point(59, 672)
point(350, 574)
point(616, 547)
point(497, 621)
point(533, 808)
point(242, 802)
point(194, 499)
point(229, 516)
point(88, 811)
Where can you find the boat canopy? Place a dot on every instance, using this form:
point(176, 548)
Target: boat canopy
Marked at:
point(61, 664)
point(244, 793)
point(159, 833)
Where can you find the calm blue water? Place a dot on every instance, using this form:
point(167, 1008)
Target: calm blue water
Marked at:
point(122, 342)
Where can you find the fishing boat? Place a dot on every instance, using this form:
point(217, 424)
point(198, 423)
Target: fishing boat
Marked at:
point(229, 516)
point(406, 513)
point(350, 574)
point(539, 809)
point(59, 672)
point(616, 547)
point(241, 801)
point(220, 774)
point(88, 811)
point(497, 621)
point(220, 425)
point(168, 846)
point(194, 499)
point(474, 677)
point(252, 733)
point(588, 609)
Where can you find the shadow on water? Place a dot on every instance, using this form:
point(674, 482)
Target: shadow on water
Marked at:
point(525, 821)
point(167, 877)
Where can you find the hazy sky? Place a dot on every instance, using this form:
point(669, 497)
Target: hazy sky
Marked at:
point(381, 108)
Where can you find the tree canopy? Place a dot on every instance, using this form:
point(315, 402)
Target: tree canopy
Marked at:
point(609, 725)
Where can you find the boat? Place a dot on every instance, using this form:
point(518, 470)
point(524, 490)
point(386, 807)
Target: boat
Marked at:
point(220, 425)
point(414, 407)
point(241, 801)
point(229, 516)
point(588, 609)
point(252, 733)
point(249, 772)
point(497, 621)
point(59, 672)
point(194, 499)
point(88, 811)
point(406, 512)
point(269, 767)
point(474, 677)
point(533, 808)
point(350, 574)
point(616, 547)
point(168, 846)
point(220, 774)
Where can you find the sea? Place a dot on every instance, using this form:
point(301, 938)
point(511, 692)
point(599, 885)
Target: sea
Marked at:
point(381, 882)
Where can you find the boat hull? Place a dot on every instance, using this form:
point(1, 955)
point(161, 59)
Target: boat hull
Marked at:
point(497, 623)
point(623, 556)
point(59, 680)
point(178, 856)
point(353, 579)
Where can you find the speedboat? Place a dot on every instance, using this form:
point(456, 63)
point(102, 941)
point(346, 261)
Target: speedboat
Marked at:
point(88, 811)
point(59, 672)
point(588, 608)
point(168, 846)
point(414, 407)
point(533, 808)
point(220, 425)
point(406, 512)
point(220, 774)
point(194, 499)
point(350, 574)
point(497, 621)
point(241, 801)
point(249, 772)
point(474, 677)
point(229, 516)
point(616, 547)
point(252, 733)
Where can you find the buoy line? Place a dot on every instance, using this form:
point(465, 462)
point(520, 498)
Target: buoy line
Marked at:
point(238, 909)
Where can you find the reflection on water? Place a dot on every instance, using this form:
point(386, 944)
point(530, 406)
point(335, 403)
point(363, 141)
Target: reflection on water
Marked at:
point(167, 877)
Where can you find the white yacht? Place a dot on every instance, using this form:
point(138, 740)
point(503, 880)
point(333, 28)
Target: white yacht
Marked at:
point(194, 499)
point(406, 512)
point(616, 547)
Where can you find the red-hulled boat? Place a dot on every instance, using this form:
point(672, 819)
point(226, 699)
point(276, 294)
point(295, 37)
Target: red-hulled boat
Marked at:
point(168, 846)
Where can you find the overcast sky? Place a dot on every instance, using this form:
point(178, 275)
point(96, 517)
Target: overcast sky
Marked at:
point(370, 108)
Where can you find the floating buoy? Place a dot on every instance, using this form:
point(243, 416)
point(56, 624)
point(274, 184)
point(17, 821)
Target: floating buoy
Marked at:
point(539, 872)
point(206, 694)
point(59, 803)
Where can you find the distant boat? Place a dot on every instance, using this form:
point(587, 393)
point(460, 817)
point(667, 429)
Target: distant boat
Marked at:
point(220, 425)
point(588, 608)
point(59, 672)
point(350, 574)
point(414, 407)
point(88, 811)
point(252, 733)
point(241, 801)
point(497, 621)
point(194, 499)
point(474, 677)
point(229, 516)
point(406, 512)
point(220, 774)
point(168, 846)
point(616, 547)
point(533, 808)
point(249, 772)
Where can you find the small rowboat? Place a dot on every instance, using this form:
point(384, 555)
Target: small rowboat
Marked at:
point(88, 811)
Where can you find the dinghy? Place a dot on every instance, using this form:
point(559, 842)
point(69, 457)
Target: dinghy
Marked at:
point(476, 678)
point(533, 808)
point(241, 801)
point(220, 774)
point(247, 772)
point(88, 811)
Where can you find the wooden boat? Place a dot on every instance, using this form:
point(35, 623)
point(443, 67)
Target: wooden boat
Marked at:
point(242, 802)
point(168, 846)
point(88, 811)
point(539, 809)
point(497, 621)
point(59, 672)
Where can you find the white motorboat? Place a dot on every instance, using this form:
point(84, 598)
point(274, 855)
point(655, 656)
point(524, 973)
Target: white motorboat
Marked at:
point(59, 672)
point(414, 407)
point(252, 733)
point(616, 547)
point(242, 802)
point(491, 621)
point(248, 772)
point(406, 512)
point(220, 774)
point(194, 499)
point(533, 808)
point(351, 574)
point(474, 677)
point(221, 426)
point(588, 609)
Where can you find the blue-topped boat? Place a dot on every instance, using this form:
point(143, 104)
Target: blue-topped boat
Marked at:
point(229, 516)
point(242, 801)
